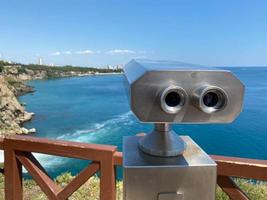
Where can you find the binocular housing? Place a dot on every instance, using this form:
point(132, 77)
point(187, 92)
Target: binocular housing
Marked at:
point(175, 92)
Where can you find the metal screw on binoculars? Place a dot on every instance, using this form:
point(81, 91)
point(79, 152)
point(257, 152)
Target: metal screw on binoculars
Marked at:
point(165, 93)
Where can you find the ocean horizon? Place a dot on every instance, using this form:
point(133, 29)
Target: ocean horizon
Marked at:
point(95, 109)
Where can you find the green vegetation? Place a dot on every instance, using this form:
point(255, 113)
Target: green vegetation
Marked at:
point(67, 68)
point(2, 64)
point(256, 190)
point(22, 70)
point(90, 190)
point(12, 81)
point(56, 71)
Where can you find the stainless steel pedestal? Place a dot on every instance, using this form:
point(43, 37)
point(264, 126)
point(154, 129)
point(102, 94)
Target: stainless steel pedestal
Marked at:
point(191, 176)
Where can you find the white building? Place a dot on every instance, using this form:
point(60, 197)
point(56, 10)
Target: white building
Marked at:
point(40, 61)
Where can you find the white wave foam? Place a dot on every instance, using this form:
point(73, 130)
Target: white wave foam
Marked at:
point(1, 156)
point(97, 128)
point(92, 134)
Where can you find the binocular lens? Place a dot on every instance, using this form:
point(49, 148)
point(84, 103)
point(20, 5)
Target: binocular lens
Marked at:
point(173, 99)
point(210, 99)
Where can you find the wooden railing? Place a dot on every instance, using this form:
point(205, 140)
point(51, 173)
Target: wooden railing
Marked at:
point(18, 151)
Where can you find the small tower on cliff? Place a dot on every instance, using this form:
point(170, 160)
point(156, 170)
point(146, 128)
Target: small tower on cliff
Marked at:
point(40, 61)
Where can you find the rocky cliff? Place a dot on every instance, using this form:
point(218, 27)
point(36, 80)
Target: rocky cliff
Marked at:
point(12, 113)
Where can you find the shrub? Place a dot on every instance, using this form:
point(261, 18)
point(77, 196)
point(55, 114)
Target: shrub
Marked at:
point(22, 70)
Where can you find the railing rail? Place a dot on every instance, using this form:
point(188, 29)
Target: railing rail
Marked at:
point(18, 151)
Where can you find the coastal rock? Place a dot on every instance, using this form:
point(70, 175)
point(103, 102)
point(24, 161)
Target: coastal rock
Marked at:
point(27, 131)
point(24, 130)
point(12, 113)
point(25, 117)
point(32, 130)
point(17, 86)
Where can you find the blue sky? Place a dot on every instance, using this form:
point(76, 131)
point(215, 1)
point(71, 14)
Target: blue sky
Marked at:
point(90, 32)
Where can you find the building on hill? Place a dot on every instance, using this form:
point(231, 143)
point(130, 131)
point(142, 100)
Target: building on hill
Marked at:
point(40, 61)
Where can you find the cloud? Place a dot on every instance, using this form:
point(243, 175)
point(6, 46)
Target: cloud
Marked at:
point(83, 52)
point(57, 53)
point(91, 52)
point(120, 52)
point(88, 52)
point(67, 52)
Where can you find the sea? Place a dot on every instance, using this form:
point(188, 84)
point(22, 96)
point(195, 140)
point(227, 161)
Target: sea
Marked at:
point(95, 109)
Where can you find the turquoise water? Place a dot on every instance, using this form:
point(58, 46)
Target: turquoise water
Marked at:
point(95, 109)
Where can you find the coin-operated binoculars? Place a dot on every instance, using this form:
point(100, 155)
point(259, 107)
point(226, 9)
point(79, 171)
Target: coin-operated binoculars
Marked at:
point(163, 165)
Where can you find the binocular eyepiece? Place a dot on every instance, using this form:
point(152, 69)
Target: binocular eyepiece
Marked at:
point(208, 99)
point(173, 99)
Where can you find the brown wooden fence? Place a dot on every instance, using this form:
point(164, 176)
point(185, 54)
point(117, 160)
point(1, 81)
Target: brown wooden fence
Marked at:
point(18, 151)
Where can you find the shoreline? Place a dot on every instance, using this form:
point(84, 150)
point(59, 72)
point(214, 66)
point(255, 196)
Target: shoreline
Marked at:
point(101, 74)
point(71, 76)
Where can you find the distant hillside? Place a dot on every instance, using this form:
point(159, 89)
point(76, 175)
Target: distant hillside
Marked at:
point(44, 71)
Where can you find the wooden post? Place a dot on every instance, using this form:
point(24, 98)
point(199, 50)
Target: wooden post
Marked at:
point(107, 178)
point(13, 174)
point(231, 189)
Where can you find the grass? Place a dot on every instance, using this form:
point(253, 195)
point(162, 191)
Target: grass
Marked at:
point(256, 190)
point(90, 190)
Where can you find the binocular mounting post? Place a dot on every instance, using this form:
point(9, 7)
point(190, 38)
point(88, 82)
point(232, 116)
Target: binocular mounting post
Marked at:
point(162, 141)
